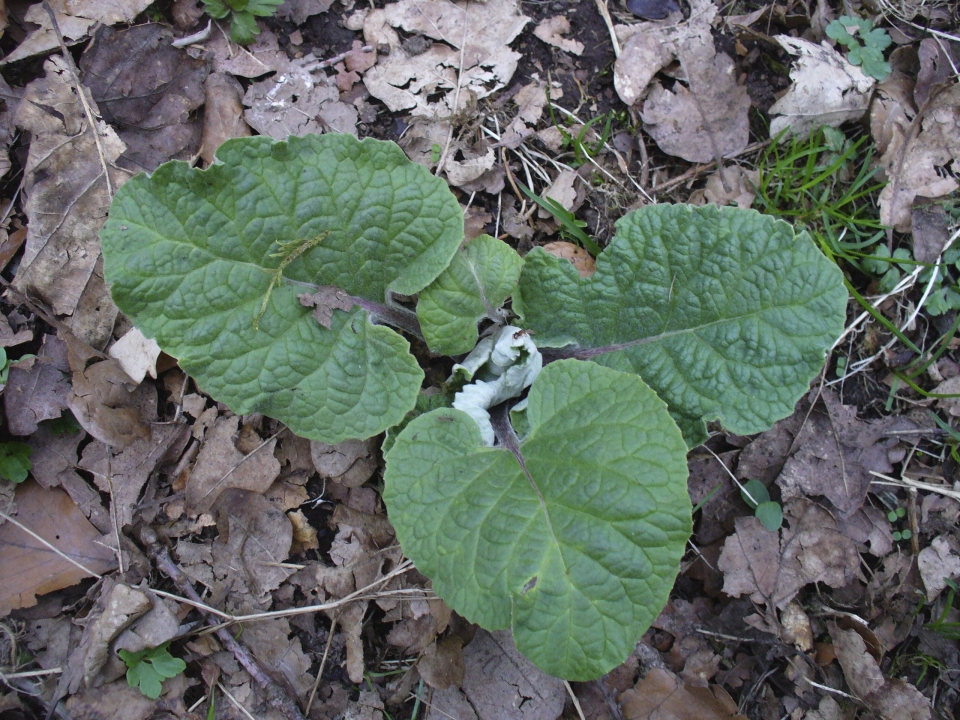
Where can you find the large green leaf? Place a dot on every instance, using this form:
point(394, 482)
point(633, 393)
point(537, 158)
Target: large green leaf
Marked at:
point(480, 278)
point(726, 313)
point(579, 556)
point(191, 255)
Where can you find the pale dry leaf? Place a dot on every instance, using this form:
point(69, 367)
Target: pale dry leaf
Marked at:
point(796, 627)
point(9, 338)
point(158, 625)
point(222, 113)
point(118, 606)
point(28, 567)
point(136, 354)
point(351, 624)
point(660, 695)
point(424, 140)
point(66, 190)
point(297, 11)
point(262, 57)
point(730, 184)
point(476, 161)
point(530, 100)
point(938, 563)
point(221, 466)
point(649, 47)
point(578, 257)
point(296, 102)
point(115, 700)
point(918, 167)
point(74, 18)
point(707, 121)
point(499, 684)
point(826, 90)
point(563, 191)
point(551, 31)
point(282, 655)
point(472, 54)
point(772, 570)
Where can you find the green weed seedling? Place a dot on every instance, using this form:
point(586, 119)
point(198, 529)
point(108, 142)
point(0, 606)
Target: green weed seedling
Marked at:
point(768, 512)
point(544, 487)
point(865, 44)
point(147, 669)
point(15, 461)
point(243, 16)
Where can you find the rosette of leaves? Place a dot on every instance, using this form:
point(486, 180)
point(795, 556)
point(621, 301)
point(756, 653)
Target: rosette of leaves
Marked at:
point(147, 669)
point(243, 16)
point(570, 527)
point(865, 44)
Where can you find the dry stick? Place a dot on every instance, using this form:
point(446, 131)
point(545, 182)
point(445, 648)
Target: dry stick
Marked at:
point(113, 509)
point(323, 663)
point(605, 13)
point(91, 119)
point(335, 59)
point(576, 701)
point(276, 696)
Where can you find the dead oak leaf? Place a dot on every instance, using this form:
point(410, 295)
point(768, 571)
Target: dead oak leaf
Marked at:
point(660, 695)
point(772, 567)
point(221, 466)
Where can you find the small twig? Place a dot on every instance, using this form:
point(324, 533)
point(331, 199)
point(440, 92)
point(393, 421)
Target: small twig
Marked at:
point(195, 38)
point(59, 552)
point(75, 76)
point(576, 701)
point(910, 483)
point(231, 698)
point(276, 696)
point(605, 13)
point(32, 673)
point(335, 59)
point(323, 663)
point(912, 521)
point(113, 509)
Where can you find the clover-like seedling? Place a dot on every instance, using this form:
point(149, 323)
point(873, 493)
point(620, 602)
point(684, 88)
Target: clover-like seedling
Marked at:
point(767, 511)
point(243, 16)
point(864, 43)
point(147, 669)
point(15, 461)
point(543, 486)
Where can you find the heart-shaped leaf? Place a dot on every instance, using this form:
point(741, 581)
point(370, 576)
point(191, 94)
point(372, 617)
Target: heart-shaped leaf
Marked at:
point(192, 256)
point(575, 541)
point(726, 313)
point(480, 278)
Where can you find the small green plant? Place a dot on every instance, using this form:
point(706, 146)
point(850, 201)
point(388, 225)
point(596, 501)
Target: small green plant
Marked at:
point(947, 629)
point(865, 44)
point(147, 669)
point(15, 461)
point(543, 487)
point(571, 229)
point(768, 512)
point(243, 16)
point(895, 516)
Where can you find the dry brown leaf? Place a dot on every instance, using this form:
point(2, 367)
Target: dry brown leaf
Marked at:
point(186, 13)
point(149, 90)
point(562, 190)
point(36, 390)
point(530, 100)
point(254, 539)
point(351, 462)
point(729, 185)
point(826, 90)
point(262, 57)
point(221, 466)
point(282, 655)
point(136, 354)
point(74, 18)
point(660, 695)
point(67, 196)
point(707, 121)
point(109, 702)
point(552, 30)
point(578, 257)
point(222, 113)
point(123, 475)
point(938, 563)
point(304, 535)
point(408, 81)
point(499, 684)
point(297, 11)
point(104, 399)
point(917, 168)
point(441, 665)
point(27, 566)
point(772, 567)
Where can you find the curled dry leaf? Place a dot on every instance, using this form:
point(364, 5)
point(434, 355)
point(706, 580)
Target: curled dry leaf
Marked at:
point(473, 52)
point(660, 695)
point(222, 113)
point(826, 90)
point(221, 466)
point(552, 30)
point(28, 567)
